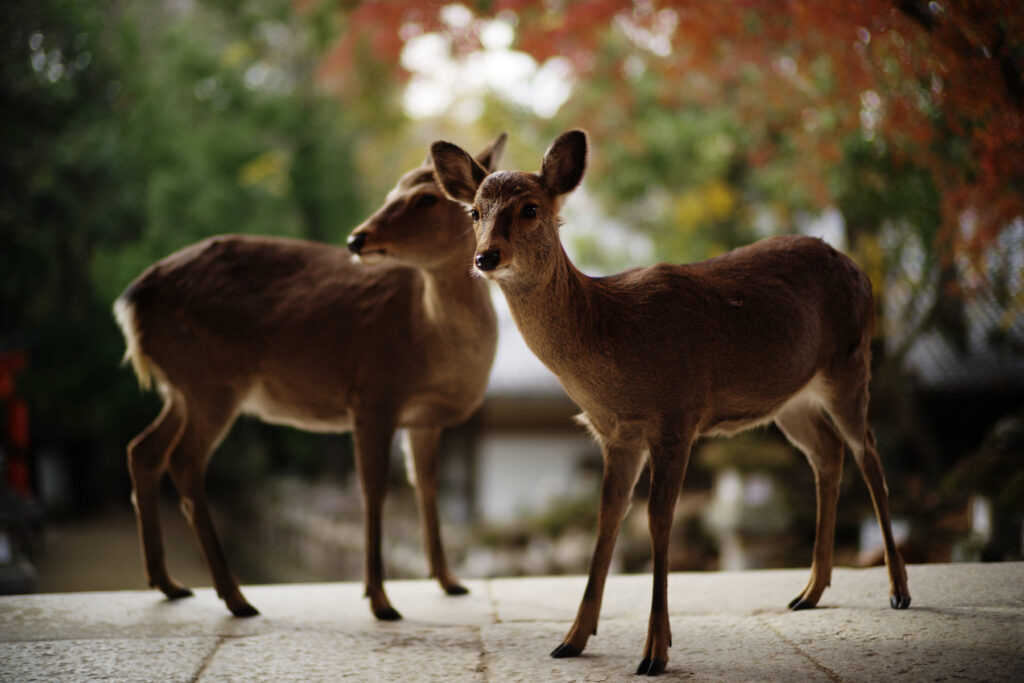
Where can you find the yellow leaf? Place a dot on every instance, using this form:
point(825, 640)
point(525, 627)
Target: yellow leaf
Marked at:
point(235, 53)
point(269, 171)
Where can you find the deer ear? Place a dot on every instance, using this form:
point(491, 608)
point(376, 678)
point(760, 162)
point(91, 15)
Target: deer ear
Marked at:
point(457, 173)
point(489, 157)
point(564, 162)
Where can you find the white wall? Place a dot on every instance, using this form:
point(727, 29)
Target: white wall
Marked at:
point(520, 474)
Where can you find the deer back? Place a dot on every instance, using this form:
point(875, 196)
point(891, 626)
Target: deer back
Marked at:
point(264, 317)
point(297, 332)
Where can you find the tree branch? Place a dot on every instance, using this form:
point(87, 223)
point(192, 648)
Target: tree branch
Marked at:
point(999, 51)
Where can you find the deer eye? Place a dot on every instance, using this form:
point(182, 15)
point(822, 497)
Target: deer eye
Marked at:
point(529, 211)
point(425, 200)
point(475, 214)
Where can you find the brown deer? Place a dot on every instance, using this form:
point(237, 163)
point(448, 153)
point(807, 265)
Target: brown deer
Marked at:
point(656, 357)
point(296, 333)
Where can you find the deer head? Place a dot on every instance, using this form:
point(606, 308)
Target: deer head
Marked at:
point(515, 214)
point(396, 230)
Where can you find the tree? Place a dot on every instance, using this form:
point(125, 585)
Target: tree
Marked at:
point(934, 85)
point(131, 129)
point(718, 122)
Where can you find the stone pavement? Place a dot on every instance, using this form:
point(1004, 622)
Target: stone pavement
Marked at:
point(966, 623)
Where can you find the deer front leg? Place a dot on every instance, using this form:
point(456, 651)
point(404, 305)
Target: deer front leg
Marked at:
point(621, 469)
point(373, 434)
point(668, 465)
point(423, 444)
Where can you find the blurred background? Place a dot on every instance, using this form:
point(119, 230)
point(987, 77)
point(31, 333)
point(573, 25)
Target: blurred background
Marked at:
point(894, 129)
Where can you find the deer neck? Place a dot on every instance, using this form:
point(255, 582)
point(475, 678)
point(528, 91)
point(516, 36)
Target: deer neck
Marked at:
point(452, 298)
point(554, 315)
point(458, 334)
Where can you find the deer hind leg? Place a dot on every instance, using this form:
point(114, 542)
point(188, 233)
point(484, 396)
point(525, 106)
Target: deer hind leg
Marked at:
point(621, 470)
point(850, 415)
point(423, 447)
point(187, 467)
point(148, 455)
point(668, 466)
point(810, 431)
point(373, 433)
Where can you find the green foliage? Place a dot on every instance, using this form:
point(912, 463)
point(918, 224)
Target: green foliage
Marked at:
point(559, 518)
point(676, 168)
point(130, 130)
point(871, 187)
point(748, 452)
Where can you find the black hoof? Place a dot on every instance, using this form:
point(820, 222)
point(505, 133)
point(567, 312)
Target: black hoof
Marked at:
point(650, 667)
point(245, 610)
point(566, 650)
point(456, 589)
point(799, 603)
point(179, 593)
point(387, 614)
point(899, 601)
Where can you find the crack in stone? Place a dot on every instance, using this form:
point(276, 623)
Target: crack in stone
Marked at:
point(832, 675)
point(208, 658)
point(481, 667)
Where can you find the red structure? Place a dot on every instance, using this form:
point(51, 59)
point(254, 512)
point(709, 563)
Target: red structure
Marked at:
point(16, 426)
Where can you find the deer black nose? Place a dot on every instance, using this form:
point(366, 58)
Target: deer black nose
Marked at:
point(356, 242)
point(488, 260)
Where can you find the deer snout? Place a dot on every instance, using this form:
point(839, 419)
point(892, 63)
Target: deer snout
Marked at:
point(366, 244)
point(488, 260)
point(356, 241)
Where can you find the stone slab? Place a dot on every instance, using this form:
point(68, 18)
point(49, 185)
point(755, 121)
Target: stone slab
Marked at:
point(966, 623)
point(110, 659)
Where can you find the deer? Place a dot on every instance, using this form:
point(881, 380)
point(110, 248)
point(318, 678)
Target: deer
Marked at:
point(776, 332)
point(392, 332)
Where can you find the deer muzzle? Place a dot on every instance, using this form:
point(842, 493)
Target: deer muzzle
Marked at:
point(488, 260)
point(356, 241)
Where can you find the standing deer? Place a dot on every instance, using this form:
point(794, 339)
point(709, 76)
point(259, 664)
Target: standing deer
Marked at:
point(656, 357)
point(295, 333)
